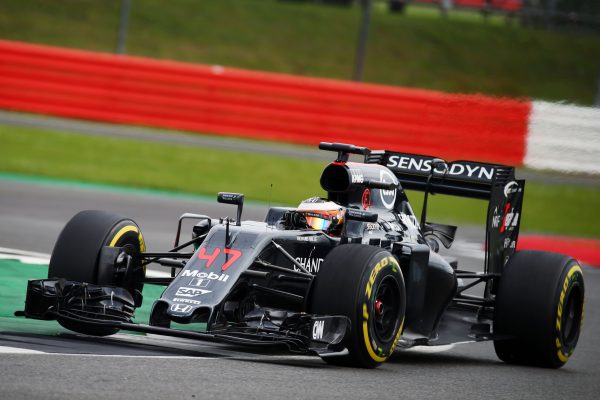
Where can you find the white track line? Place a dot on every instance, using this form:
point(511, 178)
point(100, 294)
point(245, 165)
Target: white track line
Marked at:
point(7, 250)
point(17, 350)
point(434, 349)
point(27, 257)
point(32, 257)
point(89, 355)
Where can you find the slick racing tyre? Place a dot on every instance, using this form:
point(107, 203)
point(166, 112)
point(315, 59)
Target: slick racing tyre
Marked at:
point(539, 307)
point(365, 284)
point(76, 257)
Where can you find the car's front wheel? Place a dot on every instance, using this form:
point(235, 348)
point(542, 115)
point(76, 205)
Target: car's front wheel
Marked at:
point(76, 257)
point(365, 284)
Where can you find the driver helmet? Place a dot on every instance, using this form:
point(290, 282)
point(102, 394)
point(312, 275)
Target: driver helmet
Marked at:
point(324, 215)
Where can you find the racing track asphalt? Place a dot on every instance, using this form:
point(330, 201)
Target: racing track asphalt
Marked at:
point(138, 367)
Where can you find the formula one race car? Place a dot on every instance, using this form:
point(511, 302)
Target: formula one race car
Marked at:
point(350, 277)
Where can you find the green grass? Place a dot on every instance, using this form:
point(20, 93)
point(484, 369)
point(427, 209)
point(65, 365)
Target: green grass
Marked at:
point(463, 53)
point(156, 166)
point(558, 209)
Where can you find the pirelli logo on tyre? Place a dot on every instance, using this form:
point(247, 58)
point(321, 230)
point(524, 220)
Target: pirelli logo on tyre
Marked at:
point(563, 350)
point(380, 265)
point(379, 352)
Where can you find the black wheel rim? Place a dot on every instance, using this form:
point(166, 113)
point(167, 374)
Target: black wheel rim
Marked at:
point(387, 309)
point(571, 317)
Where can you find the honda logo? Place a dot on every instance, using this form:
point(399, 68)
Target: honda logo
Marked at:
point(181, 308)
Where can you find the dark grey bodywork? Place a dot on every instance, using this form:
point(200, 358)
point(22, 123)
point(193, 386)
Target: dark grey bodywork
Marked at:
point(250, 281)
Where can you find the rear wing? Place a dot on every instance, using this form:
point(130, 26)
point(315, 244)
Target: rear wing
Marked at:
point(492, 182)
point(462, 178)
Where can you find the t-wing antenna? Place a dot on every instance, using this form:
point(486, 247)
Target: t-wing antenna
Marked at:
point(343, 150)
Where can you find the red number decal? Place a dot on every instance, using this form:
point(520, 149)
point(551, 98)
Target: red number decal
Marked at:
point(235, 254)
point(210, 258)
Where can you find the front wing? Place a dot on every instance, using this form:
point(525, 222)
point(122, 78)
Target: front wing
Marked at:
point(113, 307)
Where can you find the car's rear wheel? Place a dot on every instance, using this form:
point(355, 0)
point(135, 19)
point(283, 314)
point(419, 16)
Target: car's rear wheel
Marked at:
point(76, 257)
point(539, 309)
point(365, 284)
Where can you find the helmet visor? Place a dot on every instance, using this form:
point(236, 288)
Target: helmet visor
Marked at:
point(321, 220)
point(318, 223)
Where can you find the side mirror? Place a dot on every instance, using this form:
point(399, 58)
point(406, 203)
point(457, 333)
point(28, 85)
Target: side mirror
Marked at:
point(444, 233)
point(230, 198)
point(233, 198)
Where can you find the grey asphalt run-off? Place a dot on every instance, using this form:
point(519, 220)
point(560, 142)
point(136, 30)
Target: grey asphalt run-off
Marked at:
point(154, 367)
point(230, 143)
